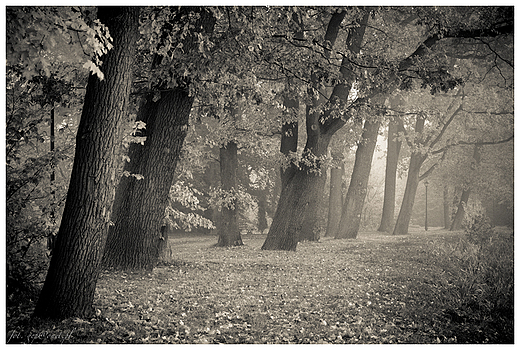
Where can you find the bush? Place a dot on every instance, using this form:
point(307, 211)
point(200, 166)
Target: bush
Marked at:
point(477, 281)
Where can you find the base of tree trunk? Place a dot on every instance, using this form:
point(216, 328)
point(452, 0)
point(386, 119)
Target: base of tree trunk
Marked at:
point(233, 243)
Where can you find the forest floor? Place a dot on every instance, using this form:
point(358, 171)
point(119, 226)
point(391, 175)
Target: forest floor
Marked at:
point(377, 289)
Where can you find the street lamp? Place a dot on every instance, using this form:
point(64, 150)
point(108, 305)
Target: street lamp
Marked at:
point(426, 209)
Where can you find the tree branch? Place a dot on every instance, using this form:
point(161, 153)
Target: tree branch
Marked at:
point(479, 143)
point(432, 168)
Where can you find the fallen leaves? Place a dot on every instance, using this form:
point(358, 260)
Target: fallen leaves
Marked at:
point(340, 291)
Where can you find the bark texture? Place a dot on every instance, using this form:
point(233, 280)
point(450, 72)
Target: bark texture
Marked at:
point(285, 229)
point(69, 288)
point(135, 239)
point(357, 191)
point(228, 231)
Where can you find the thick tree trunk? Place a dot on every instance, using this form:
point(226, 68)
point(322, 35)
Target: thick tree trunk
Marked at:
point(335, 199)
point(446, 207)
point(228, 232)
point(74, 268)
point(312, 221)
point(138, 213)
point(357, 191)
point(135, 240)
point(300, 190)
point(392, 159)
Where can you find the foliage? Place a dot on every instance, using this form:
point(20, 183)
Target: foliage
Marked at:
point(378, 289)
point(188, 198)
point(34, 202)
point(478, 279)
point(40, 38)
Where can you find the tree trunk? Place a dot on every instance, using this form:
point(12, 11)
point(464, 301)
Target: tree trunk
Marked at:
point(416, 161)
point(306, 183)
point(335, 199)
point(392, 159)
point(459, 216)
point(262, 210)
point(357, 191)
point(71, 280)
point(135, 239)
point(229, 234)
point(405, 213)
point(289, 141)
point(300, 190)
point(446, 207)
point(312, 221)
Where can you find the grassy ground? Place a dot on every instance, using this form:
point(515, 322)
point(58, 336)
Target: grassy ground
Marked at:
point(376, 289)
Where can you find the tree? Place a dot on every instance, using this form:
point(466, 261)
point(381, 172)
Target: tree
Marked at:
point(228, 232)
point(299, 195)
point(459, 215)
point(392, 160)
point(357, 190)
point(335, 195)
point(74, 268)
point(139, 209)
point(389, 68)
point(412, 181)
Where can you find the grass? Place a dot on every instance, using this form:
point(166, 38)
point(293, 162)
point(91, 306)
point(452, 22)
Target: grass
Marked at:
point(378, 289)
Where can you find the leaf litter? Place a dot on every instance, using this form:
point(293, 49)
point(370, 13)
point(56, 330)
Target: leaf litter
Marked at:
point(376, 289)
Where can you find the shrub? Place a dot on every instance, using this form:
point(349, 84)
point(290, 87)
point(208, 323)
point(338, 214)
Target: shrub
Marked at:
point(477, 279)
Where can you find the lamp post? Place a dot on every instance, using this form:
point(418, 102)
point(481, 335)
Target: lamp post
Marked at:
point(426, 209)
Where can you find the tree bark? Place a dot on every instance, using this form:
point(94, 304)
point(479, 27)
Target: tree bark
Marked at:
point(296, 196)
point(405, 213)
point(138, 213)
point(357, 191)
point(229, 234)
point(392, 159)
point(135, 240)
point(71, 280)
point(288, 144)
point(306, 183)
point(416, 161)
point(335, 199)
